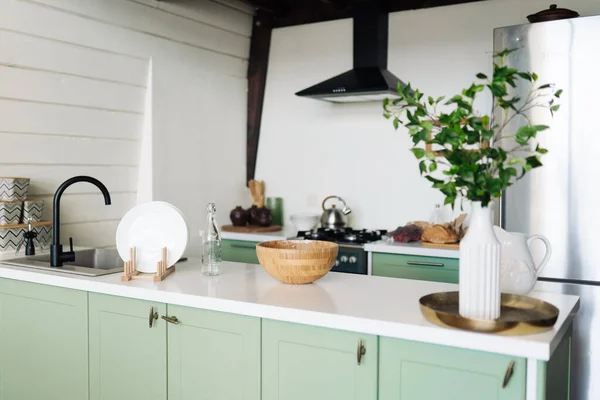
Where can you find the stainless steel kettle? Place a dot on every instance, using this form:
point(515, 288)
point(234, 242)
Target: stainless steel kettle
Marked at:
point(333, 217)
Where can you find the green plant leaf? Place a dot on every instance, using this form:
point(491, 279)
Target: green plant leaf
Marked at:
point(430, 155)
point(497, 90)
point(525, 76)
point(396, 123)
point(481, 76)
point(555, 108)
point(505, 52)
point(558, 93)
point(422, 167)
point(432, 166)
point(418, 152)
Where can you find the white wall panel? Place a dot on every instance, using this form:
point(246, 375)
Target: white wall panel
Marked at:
point(90, 234)
point(46, 149)
point(35, 52)
point(77, 98)
point(23, 84)
point(45, 179)
point(233, 18)
point(52, 23)
point(28, 117)
point(89, 207)
point(140, 18)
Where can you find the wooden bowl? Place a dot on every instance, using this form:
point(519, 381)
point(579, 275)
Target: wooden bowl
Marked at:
point(297, 261)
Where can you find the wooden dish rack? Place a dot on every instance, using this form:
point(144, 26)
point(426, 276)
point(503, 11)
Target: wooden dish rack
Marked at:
point(162, 268)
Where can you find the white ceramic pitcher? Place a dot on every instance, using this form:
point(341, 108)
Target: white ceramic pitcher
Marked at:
point(518, 272)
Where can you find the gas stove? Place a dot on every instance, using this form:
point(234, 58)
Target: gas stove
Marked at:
point(352, 257)
point(343, 236)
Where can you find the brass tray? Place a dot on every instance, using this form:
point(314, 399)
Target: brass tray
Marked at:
point(520, 315)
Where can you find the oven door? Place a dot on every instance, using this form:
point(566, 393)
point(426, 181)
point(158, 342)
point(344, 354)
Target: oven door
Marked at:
point(351, 259)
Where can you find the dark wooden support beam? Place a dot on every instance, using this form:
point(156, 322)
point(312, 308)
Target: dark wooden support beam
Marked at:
point(275, 7)
point(258, 63)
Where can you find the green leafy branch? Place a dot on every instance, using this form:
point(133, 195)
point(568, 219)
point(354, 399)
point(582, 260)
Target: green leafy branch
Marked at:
point(478, 158)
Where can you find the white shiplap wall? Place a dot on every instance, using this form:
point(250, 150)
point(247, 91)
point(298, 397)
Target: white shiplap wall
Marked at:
point(77, 97)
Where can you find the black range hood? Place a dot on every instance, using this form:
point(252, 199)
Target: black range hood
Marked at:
point(369, 80)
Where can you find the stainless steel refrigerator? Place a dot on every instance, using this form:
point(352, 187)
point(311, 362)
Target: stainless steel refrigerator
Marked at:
point(561, 200)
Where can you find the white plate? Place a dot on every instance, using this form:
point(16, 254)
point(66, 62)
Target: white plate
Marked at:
point(149, 227)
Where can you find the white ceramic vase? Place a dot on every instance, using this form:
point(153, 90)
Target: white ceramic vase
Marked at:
point(479, 270)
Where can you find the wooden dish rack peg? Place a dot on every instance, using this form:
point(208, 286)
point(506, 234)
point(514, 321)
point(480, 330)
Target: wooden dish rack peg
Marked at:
point(162, 268)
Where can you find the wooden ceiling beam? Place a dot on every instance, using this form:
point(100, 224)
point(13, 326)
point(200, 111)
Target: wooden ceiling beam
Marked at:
point(275, 7)
point(294, 12)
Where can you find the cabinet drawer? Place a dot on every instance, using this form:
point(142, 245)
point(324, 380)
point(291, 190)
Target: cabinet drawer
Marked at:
point(418, 371)
point(239, 251)
point(416, 267)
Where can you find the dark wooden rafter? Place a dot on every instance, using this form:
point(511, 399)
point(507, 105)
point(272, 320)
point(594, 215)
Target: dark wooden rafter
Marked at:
point(257, 78)
point(298, 12)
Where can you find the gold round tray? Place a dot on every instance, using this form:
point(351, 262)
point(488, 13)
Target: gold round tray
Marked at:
point(520, 315)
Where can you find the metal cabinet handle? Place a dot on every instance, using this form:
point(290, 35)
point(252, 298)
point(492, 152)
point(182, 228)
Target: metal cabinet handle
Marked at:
point(425, 264)
point(171, 320)
point(360, 352)
point(509, 373)
point(243, 246)
point(151, 317)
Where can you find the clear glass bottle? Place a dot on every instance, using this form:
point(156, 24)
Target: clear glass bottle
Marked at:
point(211, 243)
point(436, 216)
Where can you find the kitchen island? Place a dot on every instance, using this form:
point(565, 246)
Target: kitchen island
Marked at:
point(243, 335)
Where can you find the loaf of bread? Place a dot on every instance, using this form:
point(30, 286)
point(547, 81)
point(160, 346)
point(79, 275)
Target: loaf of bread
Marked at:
point(439, 234)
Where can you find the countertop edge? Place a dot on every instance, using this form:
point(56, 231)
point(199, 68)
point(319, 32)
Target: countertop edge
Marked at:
point(425, 334)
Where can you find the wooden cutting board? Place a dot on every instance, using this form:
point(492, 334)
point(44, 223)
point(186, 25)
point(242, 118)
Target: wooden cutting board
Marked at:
point(449, 246)
point(251, 228)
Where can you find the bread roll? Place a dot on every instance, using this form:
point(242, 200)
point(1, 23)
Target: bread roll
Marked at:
point(440, 234)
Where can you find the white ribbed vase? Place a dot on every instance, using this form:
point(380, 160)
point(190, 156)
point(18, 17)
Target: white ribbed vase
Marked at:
point(479, 271)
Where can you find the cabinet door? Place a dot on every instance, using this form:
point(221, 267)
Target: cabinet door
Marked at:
point(239, 251)
point(417, 371)
point(128, 358)
point(303, 362)
point(43, 342)
point(416, 267)
point(213, 355)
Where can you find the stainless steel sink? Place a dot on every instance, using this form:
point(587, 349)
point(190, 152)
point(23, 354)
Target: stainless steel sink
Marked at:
point(94, 262)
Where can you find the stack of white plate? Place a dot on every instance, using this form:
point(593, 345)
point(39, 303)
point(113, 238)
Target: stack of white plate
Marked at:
point(149, 227)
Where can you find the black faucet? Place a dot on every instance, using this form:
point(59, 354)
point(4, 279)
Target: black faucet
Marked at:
point(57, 256)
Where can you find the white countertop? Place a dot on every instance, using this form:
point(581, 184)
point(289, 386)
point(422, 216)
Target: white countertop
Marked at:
point(366, 304)
point(413, 249)
point(287, 232)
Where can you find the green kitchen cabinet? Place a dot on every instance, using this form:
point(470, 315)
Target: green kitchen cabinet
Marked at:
point(213, 355)
point(415, 267)
point(303, 362)
point(417, 371)
point(43, 342)
point(239, 251)
point(127, 349)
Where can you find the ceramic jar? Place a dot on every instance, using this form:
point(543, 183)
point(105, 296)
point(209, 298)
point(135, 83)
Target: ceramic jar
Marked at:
point(10, 212)
point(479, 270)
point(13, 189)
point(264, 218)
point(253, 215)
point(32, 209)
point(239, 216)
